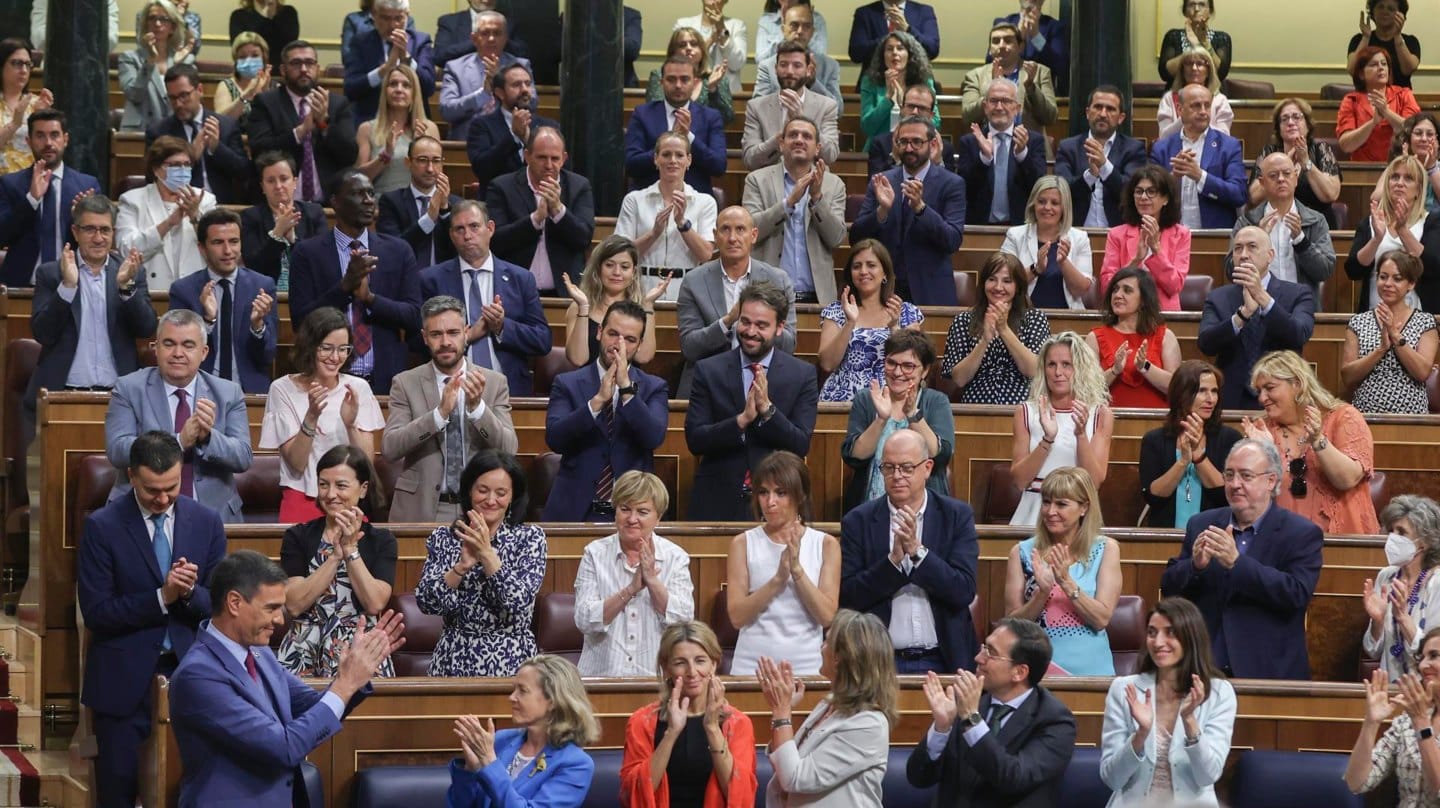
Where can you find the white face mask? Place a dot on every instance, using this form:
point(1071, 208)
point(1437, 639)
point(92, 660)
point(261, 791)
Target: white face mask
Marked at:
point(1399, 550)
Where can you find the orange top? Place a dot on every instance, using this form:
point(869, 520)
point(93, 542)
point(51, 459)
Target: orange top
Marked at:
point(1355, 111)
point(635, 790)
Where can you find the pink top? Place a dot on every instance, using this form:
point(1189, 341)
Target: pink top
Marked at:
point(1332, 510)
point(1168, 267)
point(285, 408)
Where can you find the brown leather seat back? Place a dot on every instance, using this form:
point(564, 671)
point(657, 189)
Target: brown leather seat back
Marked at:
point(964, 288)
point(259, 489)
point(539, 479)
point(725, 631)
point(547, 367)
point(1127, 634)
point(422, 632)
point(554, 625)
point(1194, 292)
point(92, 478)
point(21, 356)
point(995, 493)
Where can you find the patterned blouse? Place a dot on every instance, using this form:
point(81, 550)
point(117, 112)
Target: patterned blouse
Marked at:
point(1388, 387)
point(15, 155)
point(998, 380)
point(864, 359)
point(1398, 752)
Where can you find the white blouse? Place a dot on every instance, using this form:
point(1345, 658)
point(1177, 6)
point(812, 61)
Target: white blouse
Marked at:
point(285, 409)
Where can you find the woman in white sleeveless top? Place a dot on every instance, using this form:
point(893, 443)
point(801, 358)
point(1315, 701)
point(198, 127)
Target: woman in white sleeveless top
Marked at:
point(784, 576)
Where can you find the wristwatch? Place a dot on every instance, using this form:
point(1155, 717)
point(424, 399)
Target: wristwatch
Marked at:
point(970, 721)
point(684, 227)
point(1321, 444)
point(353, 555)
point(627, 391)
point(914, 418)
point(1426, 733)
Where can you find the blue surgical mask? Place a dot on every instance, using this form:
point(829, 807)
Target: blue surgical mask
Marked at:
point(177, 177)
point(249, 67)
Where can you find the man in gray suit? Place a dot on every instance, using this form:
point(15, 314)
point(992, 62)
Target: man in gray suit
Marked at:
point(766, 116)
point(799, 202)
point(205, 413)
point(441, 414)
point(709, 301)
point(798, 23)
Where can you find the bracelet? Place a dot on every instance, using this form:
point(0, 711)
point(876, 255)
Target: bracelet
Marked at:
point(1047, 441)
point(724, 750)
point(308, 431)
point(1241, 314)
point(458, 572)
point(777, 723)
point(354, 555)
point(1198, 459)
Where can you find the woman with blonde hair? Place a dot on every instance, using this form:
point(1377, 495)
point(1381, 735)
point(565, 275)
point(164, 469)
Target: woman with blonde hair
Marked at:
point(1066, 421)
point(1397, 221)
point(1195, 67)
point(233, 94)
point(542, 760)
point(1067, 576)
point(611, 274)
point(385, 141)
point(1055, 254)
point(690, 749)
point(837, 758)
point(1328, 451)
point(161, 41)
point(712, 84)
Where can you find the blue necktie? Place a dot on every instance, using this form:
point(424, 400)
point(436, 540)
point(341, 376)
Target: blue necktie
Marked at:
point(1000, 203)
point(48, 226)
point(479, 354)
point(161, 543)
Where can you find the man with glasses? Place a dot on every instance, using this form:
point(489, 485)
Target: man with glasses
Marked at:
point(374, 53)
point(304, 120)
point(1000, 162)
point(1299, 235)
point(1253, 314)
point(1035, 100)
point(420, 212)
point(1099, 162)
point(217, 152)
point(918, 101)
point(797, 24)
point(910, 559)
point(36, 203)
point(1251, 568)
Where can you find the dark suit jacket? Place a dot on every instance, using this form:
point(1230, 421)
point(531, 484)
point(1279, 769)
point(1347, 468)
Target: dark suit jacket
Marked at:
point(452, 38)
point(272, 123)
point(1055, 55)
point(980, 179)
point(726, 453)
point(227, 169)
point(315, 274)
point(20, 223)
point(633, 36)
point(1020, 766)
point(526, 331)
point(567, 241)
point(116, 576)
point(254, 355)
point(1126, 155)
point(921, 245)
point(262, 253)
point(399, 217)
point(1427, 288)
point(869, 27)
point(367, 52)
point(582, 444)
point(707, 150)
point(1256, 609)
point(492, 147)
point(868, 581)
point(1287, 327)
point(1226, 187)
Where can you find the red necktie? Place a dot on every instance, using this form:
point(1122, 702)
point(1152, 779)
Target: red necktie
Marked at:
point(250, 666)
point(187, 469)
point(360, 327)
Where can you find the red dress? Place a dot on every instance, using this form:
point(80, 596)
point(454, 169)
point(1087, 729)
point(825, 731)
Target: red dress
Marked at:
point(1130, 389)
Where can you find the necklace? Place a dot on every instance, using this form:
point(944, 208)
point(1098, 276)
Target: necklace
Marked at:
point(1397, 650)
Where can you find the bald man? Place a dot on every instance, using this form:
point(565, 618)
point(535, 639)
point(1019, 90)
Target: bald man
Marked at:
point(544, 214)
point(1300, 235)
point(1207, 164)
point(1252, 315)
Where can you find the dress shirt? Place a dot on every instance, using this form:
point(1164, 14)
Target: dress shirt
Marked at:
point(1261, 312)
point(747, 376)
point(56, 184)
point(426, 223)
point(670, 119)
point(364, 363)
point(299, 181)
point(912, 623)
point(148, 519)
point(474, 414)
point(1282, 265)
point(935, 741)
point(540, 264)
point(1009, 134)
point(794, 251)
point(637, 216)
point(94, 362)
point(486, 279)
point(1190, 189)
point(238, 652)
point(734, 286)
point(1096, 216)
point(216, 277)
point(509, 115)
point(614, 396)
point(629, 644)
point(1243, 538)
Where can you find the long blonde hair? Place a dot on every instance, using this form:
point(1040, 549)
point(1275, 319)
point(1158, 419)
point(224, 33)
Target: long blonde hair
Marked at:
point(1417, 209)
point(380, 129)
point(1089, 385)
point(570, 717)
point(864, 665)
point(1287, 366)
point(1074, 483)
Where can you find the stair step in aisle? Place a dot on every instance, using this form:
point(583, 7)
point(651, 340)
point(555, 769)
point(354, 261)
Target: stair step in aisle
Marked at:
point(20, 722)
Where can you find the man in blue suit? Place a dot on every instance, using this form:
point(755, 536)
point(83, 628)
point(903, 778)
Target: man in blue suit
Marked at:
point(874, 21)
point(496, 142)
point(507, 324)
point(376, 283)
point(917, 210)
point(1206, 163)
point(140, 578)
point(373, 53)
point(206, 415)
point(243, 723)
point(886, 567)
point(1251, 567)
point(419, 212)
point(675, 112)
point(604, 419)
point(237, 304)
point(1254, 314)
point(35, 203)
point(1097, 164)
point(1047, 41)
point(999, 163)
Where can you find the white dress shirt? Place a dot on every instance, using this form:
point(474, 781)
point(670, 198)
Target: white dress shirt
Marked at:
point(629, 644)
point(148, 519)
point(473, 414)
point(1190, 189)
point(638, 212)
point(486, 279)
point(1096, 216)
point(912, 623)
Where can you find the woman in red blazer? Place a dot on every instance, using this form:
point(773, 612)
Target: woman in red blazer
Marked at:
point(1151, 237)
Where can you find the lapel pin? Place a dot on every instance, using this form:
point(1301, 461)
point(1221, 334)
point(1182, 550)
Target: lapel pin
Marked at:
point(505, 278)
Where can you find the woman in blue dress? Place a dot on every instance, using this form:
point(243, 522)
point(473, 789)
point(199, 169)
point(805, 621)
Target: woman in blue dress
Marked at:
point(853, 329)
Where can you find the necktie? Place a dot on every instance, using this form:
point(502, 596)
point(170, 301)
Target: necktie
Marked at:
point(226, 362)
point(197, 176)
point(454, 446)
point(307, 159)
point(161, 543)
point(187, 468)
point(998, 711)
point(479, 352)
point(50, 223)
point(1000, 202)
point(605, 483)
point(540, 262)
point(250, 667)
point(358, 326)
point(423, 203)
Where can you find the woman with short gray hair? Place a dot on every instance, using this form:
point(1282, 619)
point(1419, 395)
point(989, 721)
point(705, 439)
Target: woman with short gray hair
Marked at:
point(1403, 601)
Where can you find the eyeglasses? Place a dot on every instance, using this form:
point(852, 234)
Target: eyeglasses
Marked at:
point(1000, 102)
point(181, 97)
point(915, 109)
point(1292, 117)
point(990, 653)
point(326, 349)
point(905, 367)
point(297, 64)
point(911, 142)
point(94, 229)
point(1147, 191)
point(1246, 477)
point(20, 64)
point(1298, 486)
point(904, 469)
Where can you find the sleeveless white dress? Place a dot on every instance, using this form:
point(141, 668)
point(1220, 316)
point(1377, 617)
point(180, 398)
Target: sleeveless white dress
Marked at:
point(785, 630)
point(1061, 454)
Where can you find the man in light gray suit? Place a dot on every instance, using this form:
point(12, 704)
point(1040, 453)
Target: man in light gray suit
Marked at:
point(205, 413)
point(441, 414)
point(709, 301)
point(766, 116)
point(795, 203)
point(798, 23)
point(465, 90)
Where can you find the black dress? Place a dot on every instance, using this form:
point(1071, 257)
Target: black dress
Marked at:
point(1388, 45)
point(1157, 454)
point(690, 766)
point(1174, 44)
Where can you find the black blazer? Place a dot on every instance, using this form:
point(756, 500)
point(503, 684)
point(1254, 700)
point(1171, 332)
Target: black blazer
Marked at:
point(272, 123)
point(228, 169)
point(1427, 288)
point(399, 217)
point(1287, 327)
point(491, 146)
point(452, 38)
point(1126, 155)
point(511, 202)
point(1019, 766)
point(1157, 455)
point(263, 253)
point(377, 546)
point(980, 178)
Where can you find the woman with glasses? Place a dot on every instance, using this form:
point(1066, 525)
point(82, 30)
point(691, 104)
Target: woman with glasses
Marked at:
point(1181, 462)
point(854, 328)
point(161, 41)
point(1390, 350)
point(1195, 67)
point(1398, 221)
point(712, 85)
point(1197, 35)
point(159, 219)
point(1136, 350)
point(385, 141)
point(1152, 237)
point(1370, 116)
point(899, 62)
point(1405, 754)
point(315, 409)
point(1055, 254)
point(1328, 452)
point(16, 104)
point(1404, 599)
point(990, 350)
point(1417, 137)
point(903, 402)
point(1318, 183)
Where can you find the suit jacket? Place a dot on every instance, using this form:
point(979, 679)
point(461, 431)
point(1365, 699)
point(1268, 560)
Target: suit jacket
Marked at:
point(315, 275)
point(1255, 610)
point(255, 356)
point(1037, 100)
point(868, 581)
point(1019, 766)
point(1287, 327)
point(227, 169)
point(563, 780)
point(139, 404)
point(869, 28)
point(920, 245)
point(400, 217)
point(116, 577)
point(700, 305)
point(1126, 155)
point(726, 453)
point(137, 226)
point(567, 239)
point(1050, 48)
point(1193, 772)
point(20, 223)
point(413, 443)
point(1314, 254)
point(492, 147)
point(367, 52)
point(1427, 288)
point(707, 150)
point(980, 178)
point(272, 122)
point(827, 79)
point(143, 85)
point(1226, 187)
point(824, 227)
point(241, 742)
point(880, 155)
point(262, 253)
point(526, 333)
point(765, 118)
point(465, 88)
point(452, 39)
point(583, 445)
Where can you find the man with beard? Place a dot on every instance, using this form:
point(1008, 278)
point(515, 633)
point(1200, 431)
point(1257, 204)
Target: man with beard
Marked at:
point(441, 414)
point(35, 204)
point(370, 276)
point(544, 215)
point(1098, 163)
point(1034, 104)
point(766, 116)
point(1001, 162)
point(676, 112)
point(732, 427)
point(465, 89)
point(496, 141)
point(217, 153)
point(304, 120)
point(604, 419)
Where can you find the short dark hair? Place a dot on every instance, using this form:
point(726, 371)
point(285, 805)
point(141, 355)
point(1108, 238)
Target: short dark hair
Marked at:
point(48, 114)
point(917, 120)
point(467, 205)
point(786, 470)
point(486, 461)
point(1107, 89)
point(9, 45)
point(791, 46)
point(274, 157)
point(1032, 647)
point(628, 308)
point(359, 462)
point(1409, 266)
point(1019, 305)
point(313, 330)
point(243, 571)
point(799, 119)
point(771, 294)
point(298, 44)
point(214, 217)
point(1211, 4)
point(497, 81)
point(677, 59)
point(887, 265)
point(98, 204)
point(1402, 5)
point(162, 149)
point(1160, 178)
point(410, 152)
point(155, 450)
point(183, 70)
point(909, 339)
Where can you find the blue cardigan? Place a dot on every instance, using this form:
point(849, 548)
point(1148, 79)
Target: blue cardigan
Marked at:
point(561, 782)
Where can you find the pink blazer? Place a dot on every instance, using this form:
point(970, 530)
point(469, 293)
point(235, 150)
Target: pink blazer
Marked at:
point(1168, 267)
